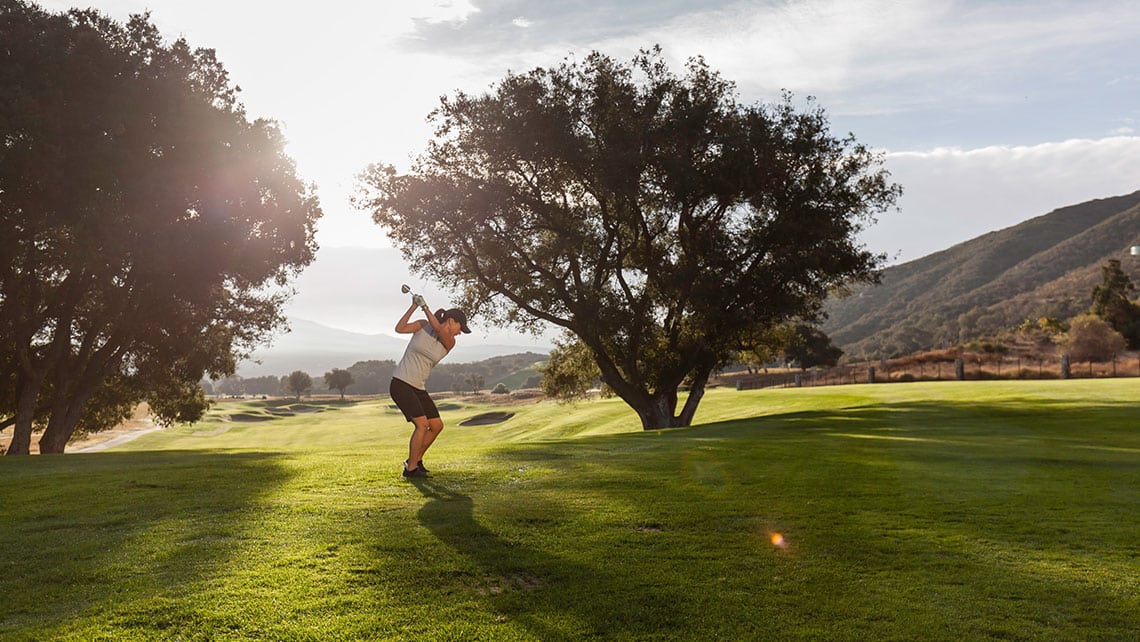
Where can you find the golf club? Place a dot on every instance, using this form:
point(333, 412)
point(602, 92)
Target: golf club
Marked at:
point(417, 299)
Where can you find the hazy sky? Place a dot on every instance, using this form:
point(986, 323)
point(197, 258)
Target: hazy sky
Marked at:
point(989, 112)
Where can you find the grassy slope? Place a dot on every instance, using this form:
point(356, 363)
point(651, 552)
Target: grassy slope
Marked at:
point(952, 510)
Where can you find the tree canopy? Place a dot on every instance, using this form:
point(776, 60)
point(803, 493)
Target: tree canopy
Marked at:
point(1112, 301)
point(338, 379)
point(653, 216)
point(1091, 338)
point(147, 222)
point(297, 383)
point(810, 347)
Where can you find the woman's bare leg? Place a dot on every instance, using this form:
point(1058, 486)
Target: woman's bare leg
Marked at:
point(418, 442)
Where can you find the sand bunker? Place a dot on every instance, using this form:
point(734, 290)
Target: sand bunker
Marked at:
point(244, 416)
point(487, 418)
point(297, 409)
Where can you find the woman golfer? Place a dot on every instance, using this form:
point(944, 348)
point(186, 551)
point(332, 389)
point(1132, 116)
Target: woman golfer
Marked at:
point(431, 340)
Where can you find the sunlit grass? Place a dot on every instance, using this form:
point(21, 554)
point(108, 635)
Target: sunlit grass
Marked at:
point(918, 511)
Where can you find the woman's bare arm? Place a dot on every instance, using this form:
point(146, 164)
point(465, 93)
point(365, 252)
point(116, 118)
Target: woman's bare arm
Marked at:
point(445, 336)
point(406, 325)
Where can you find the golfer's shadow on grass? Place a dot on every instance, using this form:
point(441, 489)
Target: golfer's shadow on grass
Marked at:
point(507, 566)
point(532, 587)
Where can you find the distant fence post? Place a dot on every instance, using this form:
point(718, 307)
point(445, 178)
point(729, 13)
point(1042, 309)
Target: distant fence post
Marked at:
point(1065, 374)
point(960, 369)
point(870, 374)
point(799, 380)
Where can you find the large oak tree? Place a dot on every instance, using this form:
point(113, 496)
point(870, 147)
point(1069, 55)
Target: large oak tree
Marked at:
point(655, 217)
point(147, 223)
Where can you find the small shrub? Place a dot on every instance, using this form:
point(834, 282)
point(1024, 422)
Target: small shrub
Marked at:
point(1090, 338)
point(500, 389)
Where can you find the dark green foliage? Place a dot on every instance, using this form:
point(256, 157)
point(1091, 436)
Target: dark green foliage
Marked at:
point(651, 215)
point(338, 379)
point(811, 347)
point(372, 377)
point(145, 222)
point(571, 371)
point(297, 383)
point(1044, 267)
point(1112, 301)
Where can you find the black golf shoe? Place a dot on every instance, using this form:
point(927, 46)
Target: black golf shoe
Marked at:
point(415, 473)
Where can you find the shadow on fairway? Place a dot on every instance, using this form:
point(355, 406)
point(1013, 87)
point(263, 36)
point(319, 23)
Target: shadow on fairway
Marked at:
point(151, 525)
point(553, 597)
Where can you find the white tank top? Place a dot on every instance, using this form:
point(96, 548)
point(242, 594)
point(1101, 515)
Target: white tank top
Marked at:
point(421, 355)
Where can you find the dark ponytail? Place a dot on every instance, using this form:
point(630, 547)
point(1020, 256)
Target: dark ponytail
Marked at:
point(439, 315)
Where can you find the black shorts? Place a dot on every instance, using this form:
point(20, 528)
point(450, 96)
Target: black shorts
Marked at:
point(412, 401)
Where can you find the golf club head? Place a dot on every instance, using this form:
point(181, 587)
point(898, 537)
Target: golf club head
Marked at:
point(405, 289)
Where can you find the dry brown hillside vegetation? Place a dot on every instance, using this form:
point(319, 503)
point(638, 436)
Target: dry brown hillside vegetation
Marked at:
point(1044, 267)
point(1019, 359)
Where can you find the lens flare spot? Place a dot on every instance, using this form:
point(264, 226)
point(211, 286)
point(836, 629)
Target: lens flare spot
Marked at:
point(778, 540)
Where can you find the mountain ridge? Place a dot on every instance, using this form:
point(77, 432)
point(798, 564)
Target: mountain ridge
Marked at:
point(1044, 266)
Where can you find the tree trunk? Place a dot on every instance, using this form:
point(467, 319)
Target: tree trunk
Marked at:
point(696, 392)
point(66, 411)
point(21, 438)
point(55, 438)
point(655, 411)
point(27, 394)
point(64, 419)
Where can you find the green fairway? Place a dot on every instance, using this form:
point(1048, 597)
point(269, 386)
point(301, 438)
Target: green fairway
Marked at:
point(955, 510)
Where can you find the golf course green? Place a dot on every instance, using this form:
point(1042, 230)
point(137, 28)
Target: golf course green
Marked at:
point(934, 511)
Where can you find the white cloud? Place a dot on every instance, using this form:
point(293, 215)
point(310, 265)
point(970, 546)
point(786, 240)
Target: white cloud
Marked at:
point(521, 22)
point(839, 45)
point(452, 11)
point(953, 195)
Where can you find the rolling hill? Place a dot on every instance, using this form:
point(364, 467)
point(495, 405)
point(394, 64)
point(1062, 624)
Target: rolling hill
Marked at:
point(1045, 266)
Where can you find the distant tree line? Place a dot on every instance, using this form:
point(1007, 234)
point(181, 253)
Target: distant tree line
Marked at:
point(372, 377)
